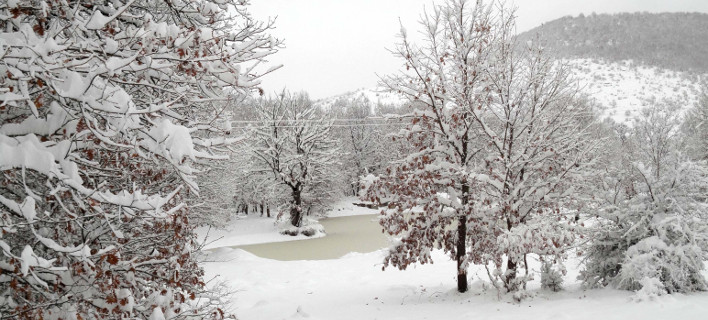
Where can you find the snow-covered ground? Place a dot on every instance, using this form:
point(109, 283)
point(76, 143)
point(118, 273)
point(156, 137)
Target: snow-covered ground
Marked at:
point(355, 287)
point(346, 207)
point(245, 230)
point(624, 89)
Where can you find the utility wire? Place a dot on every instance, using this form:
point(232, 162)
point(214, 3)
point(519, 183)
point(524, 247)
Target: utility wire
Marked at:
point(325, 125)
point(317, 120)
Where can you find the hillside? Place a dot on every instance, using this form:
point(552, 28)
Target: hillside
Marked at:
point(375, 97)
point(677, 41)
point(622, 62)
point(622, 89)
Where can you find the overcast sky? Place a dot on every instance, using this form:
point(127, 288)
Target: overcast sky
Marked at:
point(336, 46)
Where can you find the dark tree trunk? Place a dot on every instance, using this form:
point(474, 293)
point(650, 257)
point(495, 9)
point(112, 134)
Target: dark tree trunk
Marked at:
point(262, 211)
point(296, 209)
point(462, 226)
point(268, 211)
point(461, 253)
point(509, 280)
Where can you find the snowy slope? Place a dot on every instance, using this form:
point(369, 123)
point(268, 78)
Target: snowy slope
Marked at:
point(673, 40)
point(623, 89)
point(375, 96)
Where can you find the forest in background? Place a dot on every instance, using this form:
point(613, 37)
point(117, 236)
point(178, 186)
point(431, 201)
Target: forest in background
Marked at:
point(676, 41)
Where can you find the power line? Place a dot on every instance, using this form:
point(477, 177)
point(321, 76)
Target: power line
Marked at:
point(316, 120)
point(325, 125)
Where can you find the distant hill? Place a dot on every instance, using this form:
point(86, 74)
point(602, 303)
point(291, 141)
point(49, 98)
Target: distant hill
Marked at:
point(623, 63)
point(377, 98)
point(619, 89)
point(676, 41)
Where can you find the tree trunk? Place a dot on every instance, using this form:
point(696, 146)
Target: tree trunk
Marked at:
point(461, 253)
point(296, 209)
point(462, 240)
point(262, 211)
point(509, 279)
point(268, 211)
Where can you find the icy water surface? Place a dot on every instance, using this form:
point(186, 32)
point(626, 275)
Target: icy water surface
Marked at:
point(344, 235)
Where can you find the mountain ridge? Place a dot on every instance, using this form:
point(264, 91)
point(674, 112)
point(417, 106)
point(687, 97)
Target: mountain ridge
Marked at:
point(622, 62)
point(675, 41)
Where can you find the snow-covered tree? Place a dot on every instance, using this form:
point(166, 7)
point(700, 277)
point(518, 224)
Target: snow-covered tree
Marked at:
point(650, 230)
point(255, 189)
point(235, 186)
point(293, 143)
point(695, 128)
point(362, 139)
point(104, 108)
point(499, 141)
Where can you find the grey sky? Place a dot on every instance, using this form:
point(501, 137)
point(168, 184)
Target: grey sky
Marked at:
point(335, 46)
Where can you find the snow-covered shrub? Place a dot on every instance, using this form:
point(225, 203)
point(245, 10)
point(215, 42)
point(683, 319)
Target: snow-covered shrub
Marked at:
point(677, 264)
point(552, 276)
point(105, 106)
point(308, 228)
point(651, 223)
point(651, 288)
point(520, 294)
point(639, 245)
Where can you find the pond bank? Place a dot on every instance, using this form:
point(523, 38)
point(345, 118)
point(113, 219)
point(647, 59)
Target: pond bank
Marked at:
point(360, 233)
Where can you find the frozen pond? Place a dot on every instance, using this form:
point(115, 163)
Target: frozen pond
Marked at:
point(344, 235)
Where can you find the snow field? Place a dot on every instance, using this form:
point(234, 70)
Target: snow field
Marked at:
point(354, 287)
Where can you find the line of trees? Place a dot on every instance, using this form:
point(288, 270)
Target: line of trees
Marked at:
point(293, 158)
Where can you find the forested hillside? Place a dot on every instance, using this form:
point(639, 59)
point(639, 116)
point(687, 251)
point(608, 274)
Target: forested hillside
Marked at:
point(677, 41)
